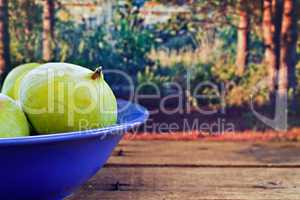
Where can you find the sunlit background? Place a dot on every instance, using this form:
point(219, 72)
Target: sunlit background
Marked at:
point(232, 44)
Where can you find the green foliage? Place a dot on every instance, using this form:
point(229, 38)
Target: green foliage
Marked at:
point(256, 48)
point(200, 46)
point(121, 46)
point(25, 27)
point(75, 43)
point(178, 33)
point(228, 36)
point(149, 78)
point(224, 71)
point(252, 87)
point(131, 44)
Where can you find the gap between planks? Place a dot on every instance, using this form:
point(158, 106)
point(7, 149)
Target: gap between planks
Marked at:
point(200, 166)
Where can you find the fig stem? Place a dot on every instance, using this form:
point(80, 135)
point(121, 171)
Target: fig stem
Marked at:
point(97, 73)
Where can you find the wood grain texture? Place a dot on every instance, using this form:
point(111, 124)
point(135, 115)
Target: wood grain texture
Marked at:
point(206, 153)
point(193, 183)
point(163, 170)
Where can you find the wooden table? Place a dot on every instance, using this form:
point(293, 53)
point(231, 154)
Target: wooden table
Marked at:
point(190, 170)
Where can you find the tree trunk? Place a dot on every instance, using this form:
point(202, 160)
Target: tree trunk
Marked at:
point(26, 6)
point(288, 56)
point(243, 38)
point(269, 42)
point(4, 39)
point(48, 29)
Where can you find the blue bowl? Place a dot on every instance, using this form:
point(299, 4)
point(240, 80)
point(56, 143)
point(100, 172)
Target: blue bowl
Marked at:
point(51, 167)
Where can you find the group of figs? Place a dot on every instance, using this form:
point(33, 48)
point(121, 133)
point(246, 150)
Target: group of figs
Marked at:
point(54, 98)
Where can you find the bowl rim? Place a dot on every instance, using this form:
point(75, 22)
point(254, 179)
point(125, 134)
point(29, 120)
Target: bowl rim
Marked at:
point(117, 129)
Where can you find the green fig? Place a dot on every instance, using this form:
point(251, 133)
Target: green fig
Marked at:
point(62, 97)
point(11, 85)
point(13, 122)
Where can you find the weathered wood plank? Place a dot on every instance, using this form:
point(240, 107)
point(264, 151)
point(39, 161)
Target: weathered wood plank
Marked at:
point(192, 183)
point(157, 170)
point(206, 153)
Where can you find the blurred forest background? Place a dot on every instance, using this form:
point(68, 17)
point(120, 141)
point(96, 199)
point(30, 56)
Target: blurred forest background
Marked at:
point(235, 43)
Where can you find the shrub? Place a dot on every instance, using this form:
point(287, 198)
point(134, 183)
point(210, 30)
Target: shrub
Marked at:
point(119, 45)
point(151, 77)
point(25, 28)
point(251, 87)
